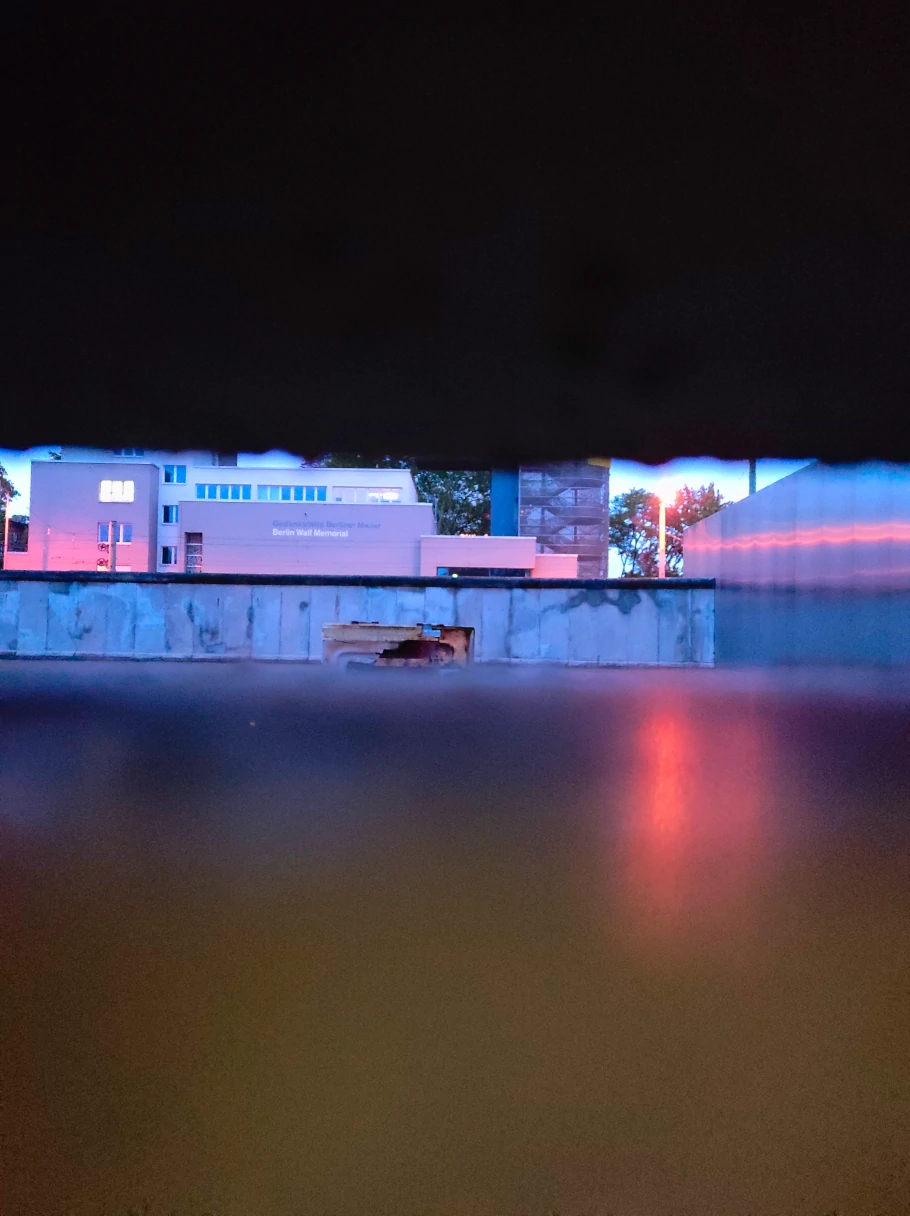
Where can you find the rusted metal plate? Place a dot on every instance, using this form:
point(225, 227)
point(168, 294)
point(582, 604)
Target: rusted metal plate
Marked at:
point(368, 642)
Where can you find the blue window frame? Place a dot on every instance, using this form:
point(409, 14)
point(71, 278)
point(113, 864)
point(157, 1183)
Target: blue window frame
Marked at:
point(175, 474)
point(224, 493)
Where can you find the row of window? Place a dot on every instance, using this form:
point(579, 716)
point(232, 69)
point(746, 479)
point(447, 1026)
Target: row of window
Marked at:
point(235, 493)
point(125, 491)
point(291, 493)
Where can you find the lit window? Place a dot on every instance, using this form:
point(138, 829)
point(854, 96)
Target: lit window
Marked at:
point(175, 474)
point(380, 495)
point(123, 533)
point(116, 491)
point(169, 515)
point(169, 555)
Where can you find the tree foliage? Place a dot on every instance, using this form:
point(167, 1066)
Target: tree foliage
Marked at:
point(460, 499)
point(634, 527)
point(7, 492)
point(7, 489)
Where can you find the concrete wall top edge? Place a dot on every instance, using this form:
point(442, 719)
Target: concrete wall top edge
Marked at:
point(347, 580)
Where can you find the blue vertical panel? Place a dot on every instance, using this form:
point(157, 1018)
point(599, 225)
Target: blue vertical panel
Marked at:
point(504, 502)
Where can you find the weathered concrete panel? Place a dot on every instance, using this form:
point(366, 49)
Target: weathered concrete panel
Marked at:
point(151, 619)
point(324, 605)
point(294, 623)
point(496, 640)
point(583, 639)
point(117, 617)
point(33, 609)
point(352, 606)
point(554, 626)
point(701, 611)
point(267, 620)
point(207, 639)
point(469, 611)
point(524, 625)
point(638, 628)
point(236, 620)
point(88, 625)
point(61, 618)
point(410, 606)
point(9, 618)
point(441, 606)
point(382, 605)
point(178, 620)
point(673, 640)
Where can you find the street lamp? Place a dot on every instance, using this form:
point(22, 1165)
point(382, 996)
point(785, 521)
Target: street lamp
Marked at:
point(662, 538)
point(6, 501)
point(665, 494)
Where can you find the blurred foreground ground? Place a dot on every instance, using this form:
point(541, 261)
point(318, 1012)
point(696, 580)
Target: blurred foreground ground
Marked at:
point(279, 940)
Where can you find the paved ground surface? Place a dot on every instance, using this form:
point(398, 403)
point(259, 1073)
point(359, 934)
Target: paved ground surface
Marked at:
point(279, 940)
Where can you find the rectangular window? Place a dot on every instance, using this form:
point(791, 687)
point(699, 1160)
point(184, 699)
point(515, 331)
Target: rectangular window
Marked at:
point(123, 533)
point(116, 491)
point(169, 514)
point(175, 474)
point(226, 459)
point(194, 552)
point(129, 451)
point(235, 493)
point(383, 495)
point(169, 555)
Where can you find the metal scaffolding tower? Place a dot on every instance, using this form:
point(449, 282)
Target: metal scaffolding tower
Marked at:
point(567, 507)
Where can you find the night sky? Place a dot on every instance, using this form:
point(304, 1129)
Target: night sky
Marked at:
point(647, 233)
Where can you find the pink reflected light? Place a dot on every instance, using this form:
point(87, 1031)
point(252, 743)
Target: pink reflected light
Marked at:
point(694, 827)
point(809, 537)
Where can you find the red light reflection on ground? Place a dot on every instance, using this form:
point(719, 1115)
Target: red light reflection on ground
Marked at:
point(693, 825)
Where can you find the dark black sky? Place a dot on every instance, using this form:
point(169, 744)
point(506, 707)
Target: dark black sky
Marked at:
point(650, 232)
